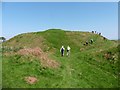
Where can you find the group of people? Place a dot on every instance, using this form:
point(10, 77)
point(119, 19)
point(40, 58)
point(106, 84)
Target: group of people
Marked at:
point(62, 50)
point(96, 32)
point(86, 43)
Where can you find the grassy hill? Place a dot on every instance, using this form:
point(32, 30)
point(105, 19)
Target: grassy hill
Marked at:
point(37, 55)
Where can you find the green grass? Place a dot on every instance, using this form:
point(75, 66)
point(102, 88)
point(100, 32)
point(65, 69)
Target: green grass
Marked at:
point(83, 69)
point(0, 66)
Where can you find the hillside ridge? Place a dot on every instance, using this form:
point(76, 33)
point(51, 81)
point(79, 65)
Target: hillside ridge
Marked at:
point(37, 56)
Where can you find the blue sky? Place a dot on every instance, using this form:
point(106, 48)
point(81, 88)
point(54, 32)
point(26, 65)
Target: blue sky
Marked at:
point(21, 17)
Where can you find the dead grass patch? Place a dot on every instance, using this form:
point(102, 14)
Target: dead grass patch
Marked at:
point(45, 60)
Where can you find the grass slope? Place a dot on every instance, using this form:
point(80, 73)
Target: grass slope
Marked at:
point(85, 68)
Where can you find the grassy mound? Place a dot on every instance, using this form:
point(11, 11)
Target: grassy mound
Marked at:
point(88, 66)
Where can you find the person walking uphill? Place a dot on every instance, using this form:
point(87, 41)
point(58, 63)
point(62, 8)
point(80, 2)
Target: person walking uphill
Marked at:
point(68, 50)
point(62, 49)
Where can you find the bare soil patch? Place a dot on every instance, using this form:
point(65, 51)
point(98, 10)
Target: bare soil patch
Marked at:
point(31, 80)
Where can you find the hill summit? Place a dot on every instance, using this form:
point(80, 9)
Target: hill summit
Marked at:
point(37, 55)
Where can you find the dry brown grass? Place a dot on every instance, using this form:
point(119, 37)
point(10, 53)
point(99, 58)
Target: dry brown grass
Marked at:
point(45, 60)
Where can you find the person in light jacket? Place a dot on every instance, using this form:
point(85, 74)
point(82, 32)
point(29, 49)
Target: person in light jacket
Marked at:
point(68, 50)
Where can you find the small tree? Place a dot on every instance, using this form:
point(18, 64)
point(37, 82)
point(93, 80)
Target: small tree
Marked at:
point(3, 39)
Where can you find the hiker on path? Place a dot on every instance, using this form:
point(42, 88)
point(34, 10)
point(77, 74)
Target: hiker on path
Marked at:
point(91, 41)
point(68, 50)
point(62, 49)
point(86, 42)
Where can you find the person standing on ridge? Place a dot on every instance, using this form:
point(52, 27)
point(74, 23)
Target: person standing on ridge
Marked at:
point(68, 50)
point(62, 49)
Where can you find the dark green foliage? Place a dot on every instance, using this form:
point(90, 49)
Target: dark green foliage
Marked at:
point(2, 38)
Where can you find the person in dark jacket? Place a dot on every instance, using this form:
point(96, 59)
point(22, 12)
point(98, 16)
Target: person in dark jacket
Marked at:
point(62, 49)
